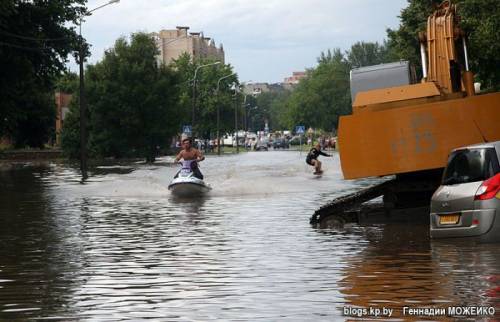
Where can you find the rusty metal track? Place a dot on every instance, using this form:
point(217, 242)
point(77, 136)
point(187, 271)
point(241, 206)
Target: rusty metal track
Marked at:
point(340, 207)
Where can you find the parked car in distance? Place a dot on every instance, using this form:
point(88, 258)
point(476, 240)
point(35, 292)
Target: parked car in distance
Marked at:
point(281, 144)
point(261, 145)
point(296, 140)
point(467, 204)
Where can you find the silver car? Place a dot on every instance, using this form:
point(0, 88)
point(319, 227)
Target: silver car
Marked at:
point(467, 204)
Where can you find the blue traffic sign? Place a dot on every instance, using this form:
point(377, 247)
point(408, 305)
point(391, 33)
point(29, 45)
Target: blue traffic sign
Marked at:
point(187, 129)
point(300, 129)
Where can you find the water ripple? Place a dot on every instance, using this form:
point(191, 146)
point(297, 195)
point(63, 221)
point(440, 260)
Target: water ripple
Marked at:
point(119, 247)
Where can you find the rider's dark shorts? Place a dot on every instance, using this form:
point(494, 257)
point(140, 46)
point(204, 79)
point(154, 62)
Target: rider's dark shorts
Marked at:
point(309, 161)
point(196, 170)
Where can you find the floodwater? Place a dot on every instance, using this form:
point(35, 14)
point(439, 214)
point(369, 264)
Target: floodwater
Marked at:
point(119, 247)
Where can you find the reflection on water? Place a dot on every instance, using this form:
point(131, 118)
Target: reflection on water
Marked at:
point(121, 247)
point(402, 267)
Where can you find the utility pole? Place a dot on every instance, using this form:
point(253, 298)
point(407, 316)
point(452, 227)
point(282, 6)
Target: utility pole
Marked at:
point(193, 112)
point(83, 102)
point(236, 122)
point(244, 118)
point(218, 109)
point(83, 112)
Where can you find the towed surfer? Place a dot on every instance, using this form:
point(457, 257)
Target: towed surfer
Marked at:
point(190, 157)
point(312, 158)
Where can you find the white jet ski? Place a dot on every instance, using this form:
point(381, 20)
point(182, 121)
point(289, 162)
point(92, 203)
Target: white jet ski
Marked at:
point(185, 184)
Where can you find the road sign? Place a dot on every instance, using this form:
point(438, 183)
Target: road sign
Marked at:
point(300, 129)
point(187, 129)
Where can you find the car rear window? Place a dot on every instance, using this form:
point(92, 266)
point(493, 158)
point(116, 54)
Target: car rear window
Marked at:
point(471, 165)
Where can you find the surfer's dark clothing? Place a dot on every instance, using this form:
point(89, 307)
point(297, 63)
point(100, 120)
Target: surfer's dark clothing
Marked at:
point(314, 154)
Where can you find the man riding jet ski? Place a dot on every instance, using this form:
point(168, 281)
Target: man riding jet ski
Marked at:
point(191, 157)
point(189, 180)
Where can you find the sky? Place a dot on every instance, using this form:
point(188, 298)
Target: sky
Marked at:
point(264, 40)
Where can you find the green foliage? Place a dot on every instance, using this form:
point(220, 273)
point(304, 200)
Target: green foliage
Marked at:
point(480, 19)
point(132, 102)
point(319, 99)
point(323, 96)
point(67, 82)
point(368, 54)
point(35, 122)
point(207, 98)
point(35, 41)
point(403, 42)
point(269, 106)
point(70, 134)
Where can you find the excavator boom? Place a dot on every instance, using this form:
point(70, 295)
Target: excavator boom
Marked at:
point(412, 128)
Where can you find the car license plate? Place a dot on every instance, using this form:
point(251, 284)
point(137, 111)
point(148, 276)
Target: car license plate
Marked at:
point(448, 219)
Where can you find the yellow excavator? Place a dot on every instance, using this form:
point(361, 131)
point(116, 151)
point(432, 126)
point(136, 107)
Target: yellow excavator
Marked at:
point(409, 129)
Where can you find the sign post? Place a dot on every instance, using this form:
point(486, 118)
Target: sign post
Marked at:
point(187, 129)
point(300, 129)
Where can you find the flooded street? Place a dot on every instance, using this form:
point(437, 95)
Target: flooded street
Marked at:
point(120, 247)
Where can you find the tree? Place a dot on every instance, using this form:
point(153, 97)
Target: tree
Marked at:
point(278, 110)
point(367, 54)
point(207, 99)
point(70, 134)
point(480, 19)
point(132, 102)
point(67, 82)
point(262, 111)
point(323, 95)
point(270, 106)
point(403, 42)
point(35, 40)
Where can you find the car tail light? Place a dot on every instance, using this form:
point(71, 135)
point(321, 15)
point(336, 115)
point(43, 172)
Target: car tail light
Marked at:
point(489, 189)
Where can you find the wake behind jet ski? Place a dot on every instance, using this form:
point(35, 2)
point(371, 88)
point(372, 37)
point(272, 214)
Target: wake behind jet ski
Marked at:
point(189, 180)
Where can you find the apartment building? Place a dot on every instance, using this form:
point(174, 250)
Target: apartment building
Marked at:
point(173, 43)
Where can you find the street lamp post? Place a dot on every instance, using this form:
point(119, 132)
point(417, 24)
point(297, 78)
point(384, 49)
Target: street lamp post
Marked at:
point(249, 117)
point(194, 90)
point(218, 109)
point(245, 120)
point(245, 117)
point(83, 112)
point(83, 102)
point(236, 117)
point(236, 121)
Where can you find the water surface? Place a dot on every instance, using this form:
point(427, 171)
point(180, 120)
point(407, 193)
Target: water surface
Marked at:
point(119, 247)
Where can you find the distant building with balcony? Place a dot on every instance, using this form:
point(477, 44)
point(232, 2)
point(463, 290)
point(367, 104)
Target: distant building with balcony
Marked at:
point(175, 42)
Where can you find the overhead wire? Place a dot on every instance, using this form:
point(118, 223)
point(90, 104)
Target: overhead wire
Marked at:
point(32, 38)
point(2, 43)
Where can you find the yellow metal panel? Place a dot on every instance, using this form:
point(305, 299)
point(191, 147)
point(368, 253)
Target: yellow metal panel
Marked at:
point(414, 138)
point(394, 94)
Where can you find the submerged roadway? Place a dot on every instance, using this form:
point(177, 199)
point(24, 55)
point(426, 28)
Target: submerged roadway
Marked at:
point(119, 246)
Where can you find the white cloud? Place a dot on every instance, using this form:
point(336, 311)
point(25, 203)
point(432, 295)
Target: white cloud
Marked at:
point(264, 39)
